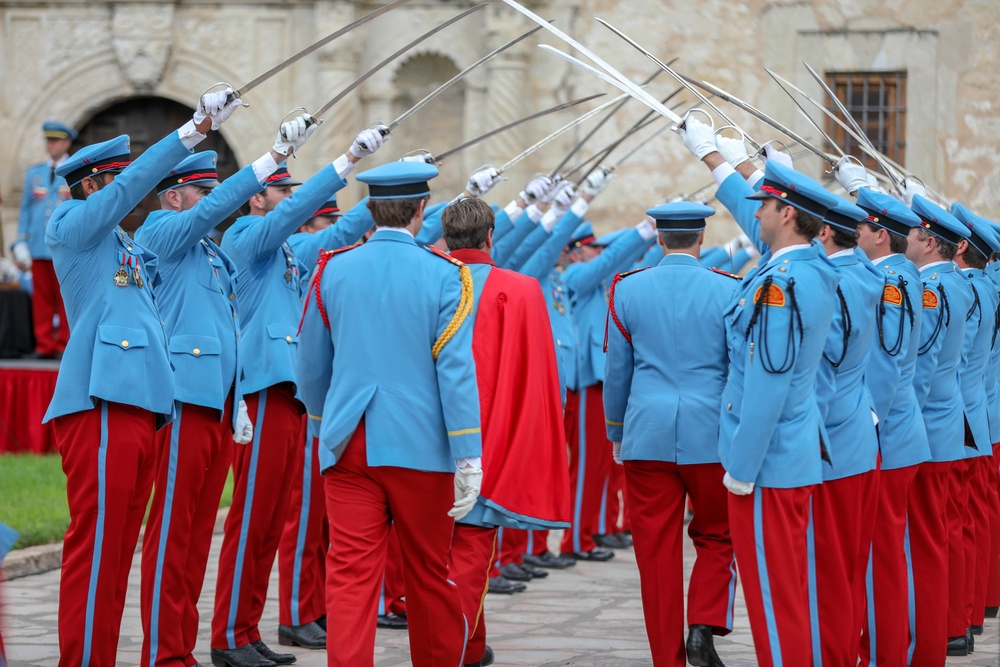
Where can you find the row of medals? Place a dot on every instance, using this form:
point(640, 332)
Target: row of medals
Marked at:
point(122, 277)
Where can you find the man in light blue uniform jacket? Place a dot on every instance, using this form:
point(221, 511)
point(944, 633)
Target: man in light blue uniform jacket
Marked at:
point(269, 293)
point(665, 368)
point(772, 437)
point(936, 525)
point(197, 298)
point(44, 190)
point(386, 364)
point(115, 385)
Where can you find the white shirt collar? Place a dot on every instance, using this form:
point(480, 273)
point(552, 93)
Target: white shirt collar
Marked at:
point(846, 252)
point(881, 259)
point(933, 264)
point(398, 230)
point(788, 249)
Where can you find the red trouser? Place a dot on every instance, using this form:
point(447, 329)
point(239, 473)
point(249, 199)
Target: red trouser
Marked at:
point(993, 500)
point(589, 461)
point(843, 518)
point(514, 546)
point(614, 516)
point(304, 539)
point(886, 635)
point(960, 533)
point(46, 303)
point(768, 529)
point(536, 542)
point(263, 472)
point(391, 600)
point(656, 492)
point(360, 503)
point(109, 459)
point(928, 563)
point(473, 550)
point(979, 513)
point(194, 454)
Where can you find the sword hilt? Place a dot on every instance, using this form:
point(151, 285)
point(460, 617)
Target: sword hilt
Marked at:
point(418, 155)
point(382, 128)
point(683, 123)
point(777, 142)
point(229, 98)
point(281, 129)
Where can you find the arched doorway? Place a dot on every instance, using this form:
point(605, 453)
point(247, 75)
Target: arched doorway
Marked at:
point(147, 120)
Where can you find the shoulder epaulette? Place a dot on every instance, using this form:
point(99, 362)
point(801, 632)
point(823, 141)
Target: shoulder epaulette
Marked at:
point(626, 274)
point(324, 257)
point(444, 255)
point(734, 276)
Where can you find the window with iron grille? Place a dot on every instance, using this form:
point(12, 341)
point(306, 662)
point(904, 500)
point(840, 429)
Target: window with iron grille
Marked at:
point(877, 102)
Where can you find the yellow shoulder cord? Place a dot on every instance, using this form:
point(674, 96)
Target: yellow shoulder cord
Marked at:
point(463, 310)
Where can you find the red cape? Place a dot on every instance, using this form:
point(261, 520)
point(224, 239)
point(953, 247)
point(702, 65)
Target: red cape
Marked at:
point(525, 467)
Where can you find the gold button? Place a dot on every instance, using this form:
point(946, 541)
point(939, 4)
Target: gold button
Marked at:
point(288, 338)
point(124, 343)
point(742, 301)
point(729, 406)
point(197, 351)
point(232, 296)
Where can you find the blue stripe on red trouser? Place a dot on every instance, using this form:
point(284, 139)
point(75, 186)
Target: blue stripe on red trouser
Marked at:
point(886, 634)
point(961, 548)
point(927, 564)
point(302, 550)
point(263, 472)
point(392, 597)
point(361, 500)
point(473, 550)
point(109, 460)
point(194, 454)
point(656, 491)
point(993, 504)
point(979, 516)
point(589, 460)
point(614, 517)
point(843, 518)
point(768, 530)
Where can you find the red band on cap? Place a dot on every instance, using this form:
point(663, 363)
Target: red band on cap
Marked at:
point(773, 191)
point(199, 177)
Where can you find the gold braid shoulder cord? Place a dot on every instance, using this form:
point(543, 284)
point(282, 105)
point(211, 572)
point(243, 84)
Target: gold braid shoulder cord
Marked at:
point(463, 310)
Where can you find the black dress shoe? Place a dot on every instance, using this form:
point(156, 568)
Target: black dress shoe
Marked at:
point(308, 635)
point(615, 541)
point(992, 612)
point(276, 658)
point(977, 630)
point(549, 560)
point(487, 659)
point(321, 622)
point(958, 646)
point(392, 621)
point(535, 572)
point(505, 586)
point(244, 656)
point(701, 647)
point(595, 554)
point(970, 640)
point(514, 572)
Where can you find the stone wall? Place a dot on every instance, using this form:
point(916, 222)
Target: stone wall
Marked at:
point(70, 60)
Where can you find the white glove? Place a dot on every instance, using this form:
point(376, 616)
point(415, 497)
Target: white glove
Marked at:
point(215, 106)
point(733, 151)
point(851, 175)
point(22, 256)
point(536, 189)
point(564, 196)
point(293, 135)
point(736, 487)
point(370, 140)
point(912, 187)
point(698, 137)
point(243, 431)
point(616, 452)
point(422, 156)
point(553, 191)
point(596, 182)
point(779, 156)
point(468, 481)
point(482, 180)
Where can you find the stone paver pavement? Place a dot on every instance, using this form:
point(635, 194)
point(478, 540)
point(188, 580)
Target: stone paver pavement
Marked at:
point(587, 616)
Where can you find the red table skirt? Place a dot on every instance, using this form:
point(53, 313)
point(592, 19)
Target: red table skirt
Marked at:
point(24, 397)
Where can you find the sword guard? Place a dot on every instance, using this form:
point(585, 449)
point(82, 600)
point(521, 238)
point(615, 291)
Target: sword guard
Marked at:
point(213, 87)
point(784, 147)
point(683, 123)
point(743, 135)
point(296, 110)
point(382, 128)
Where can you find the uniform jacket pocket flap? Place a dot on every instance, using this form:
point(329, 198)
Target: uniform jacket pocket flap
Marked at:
point(195, 345)
point(280, 331)
point(124, 337)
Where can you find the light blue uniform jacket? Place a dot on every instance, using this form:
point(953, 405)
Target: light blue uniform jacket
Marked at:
point(842, 395)
point(269, 286)
point(348, 230)
point(388, 301)
point(117, 349)
point(993, 371)
point(431, 230)
point(947, 302)
point(43, 192)
point(893, 363)
point(662, 391)
point(976, 359)
point(197, 295)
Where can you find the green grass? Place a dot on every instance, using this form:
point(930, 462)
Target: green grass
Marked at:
point(33, 497)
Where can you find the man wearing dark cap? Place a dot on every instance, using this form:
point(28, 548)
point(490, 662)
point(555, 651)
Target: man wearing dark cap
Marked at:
point(115, 385)
point(386, 367)
point(44, 190)
point(665, 369)
point(196, 297)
